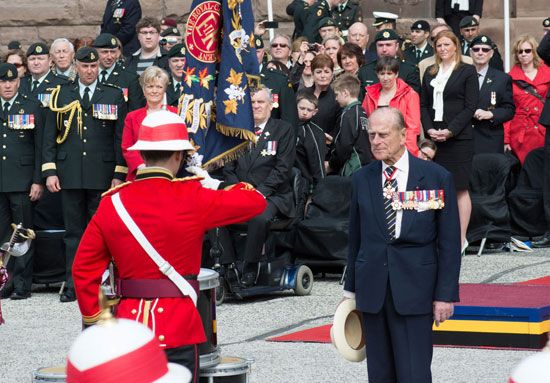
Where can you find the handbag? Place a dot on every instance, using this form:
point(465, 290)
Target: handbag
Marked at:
point(352, 164)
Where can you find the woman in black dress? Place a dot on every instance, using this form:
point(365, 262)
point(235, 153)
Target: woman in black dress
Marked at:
point(448, 101)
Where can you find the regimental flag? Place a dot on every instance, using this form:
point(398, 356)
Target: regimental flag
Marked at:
point(222, 132)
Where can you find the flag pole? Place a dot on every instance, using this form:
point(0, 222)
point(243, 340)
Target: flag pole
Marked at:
point(507, 35)
point(270, 18)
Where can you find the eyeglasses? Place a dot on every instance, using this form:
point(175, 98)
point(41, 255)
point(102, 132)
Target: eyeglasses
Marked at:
point(277, 45)
point(152, 33)
point(18, 65)
point(477, 49)
point(521, 51)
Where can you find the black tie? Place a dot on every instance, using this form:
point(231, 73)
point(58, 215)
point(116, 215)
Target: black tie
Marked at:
point(466, 44)
point(390, 182)
point(35, 84)
point(178, 88)
point(6, 109)
point(418, 53)
point(86, 98)
point(257, 130)
point(103, 75)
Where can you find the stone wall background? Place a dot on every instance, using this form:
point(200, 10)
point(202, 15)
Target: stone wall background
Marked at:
point(44, 20)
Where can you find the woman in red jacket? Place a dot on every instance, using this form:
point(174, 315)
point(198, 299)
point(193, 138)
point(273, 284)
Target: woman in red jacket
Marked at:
point(530, 83)
point(394, 92)
point(153, 81)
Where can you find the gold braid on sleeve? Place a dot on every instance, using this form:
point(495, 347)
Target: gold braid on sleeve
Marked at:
point(71, 109)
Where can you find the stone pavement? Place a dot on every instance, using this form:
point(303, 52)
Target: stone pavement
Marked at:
point(40, 330)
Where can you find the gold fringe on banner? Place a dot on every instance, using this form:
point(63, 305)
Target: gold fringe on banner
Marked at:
point(222, 159)
point(231, 131)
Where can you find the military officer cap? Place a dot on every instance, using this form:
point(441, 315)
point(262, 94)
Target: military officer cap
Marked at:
point(384, 18)
point(420, 25)
point(385, 35)
point(546, 22)
point(482, 40)
point(172, 31)
point(38, 49)
point(468, 21)
point(86, 55)
point(105, 40)
point(13, 45)
point(258, 42)
point(326, 22)
point(7, 72)
point(177, 50)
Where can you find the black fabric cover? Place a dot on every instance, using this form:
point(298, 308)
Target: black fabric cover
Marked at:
point(525, 201)
point(49, 257)
point(323, 234)
point(490, 216)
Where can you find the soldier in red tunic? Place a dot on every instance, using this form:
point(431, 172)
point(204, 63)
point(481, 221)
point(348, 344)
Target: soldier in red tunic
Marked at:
point(171, 215)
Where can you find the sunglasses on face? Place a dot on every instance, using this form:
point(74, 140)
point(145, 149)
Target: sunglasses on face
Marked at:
point(477, 49)
point(18, 65)
point(277, 45)
point(521, 51)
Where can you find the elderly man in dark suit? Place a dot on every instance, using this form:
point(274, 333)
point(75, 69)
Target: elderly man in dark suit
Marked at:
point(267, 166)
point(495, 105)
point(404, 253)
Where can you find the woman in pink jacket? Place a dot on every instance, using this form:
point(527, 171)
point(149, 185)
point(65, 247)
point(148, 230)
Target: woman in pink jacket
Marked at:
point(394, 92)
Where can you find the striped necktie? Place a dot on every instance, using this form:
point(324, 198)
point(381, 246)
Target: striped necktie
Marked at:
point(390, 182)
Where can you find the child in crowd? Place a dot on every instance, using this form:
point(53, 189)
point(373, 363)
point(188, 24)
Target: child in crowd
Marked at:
point(310, 141)
point(350, 148)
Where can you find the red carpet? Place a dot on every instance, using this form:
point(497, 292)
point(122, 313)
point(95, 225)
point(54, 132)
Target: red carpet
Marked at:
point(492, 296)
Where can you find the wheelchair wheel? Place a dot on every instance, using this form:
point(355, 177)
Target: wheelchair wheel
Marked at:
point(221, 292)
point(304, 281)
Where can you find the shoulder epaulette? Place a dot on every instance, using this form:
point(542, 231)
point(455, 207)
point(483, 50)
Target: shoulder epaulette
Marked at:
point(184, 179)
point(115, 188)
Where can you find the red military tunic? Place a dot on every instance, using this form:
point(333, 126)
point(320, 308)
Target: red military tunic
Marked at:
point(173, 214)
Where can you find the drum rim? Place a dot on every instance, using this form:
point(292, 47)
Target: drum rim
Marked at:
point(208, 279)
point(227, 369)
point(210, 360)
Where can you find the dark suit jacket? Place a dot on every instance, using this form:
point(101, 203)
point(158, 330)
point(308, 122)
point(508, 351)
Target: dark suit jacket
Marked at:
point(124, 28)
point(20, 153)
point(459, 101)
point(489, 134)
point(92, 160)
point(172, 97)
point(269, 173)
point(423, 264)
point(444, 8)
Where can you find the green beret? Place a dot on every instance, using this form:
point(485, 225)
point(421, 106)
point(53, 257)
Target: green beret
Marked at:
point(258, 42)
point(326, 22)
point(172, 31)
point(14, 45)
point(86, 55)
point(386, 34)
point(468, 21)
point(38, 49)
point(8, 72)
point(482, 40)
point(546, 22)
point(177, 50)
point(105, 40)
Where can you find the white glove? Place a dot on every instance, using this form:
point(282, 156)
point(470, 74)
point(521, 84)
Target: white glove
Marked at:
point(207, 181)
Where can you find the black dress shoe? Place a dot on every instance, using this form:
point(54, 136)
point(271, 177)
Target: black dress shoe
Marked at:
point(248, 279)
point(6, 293)
point(67, 296)
point(20, 296)
point(542, 242)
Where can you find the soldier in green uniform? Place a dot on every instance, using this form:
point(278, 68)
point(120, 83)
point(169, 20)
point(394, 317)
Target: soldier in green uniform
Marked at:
point(387, 44)
point(347, 13)
point(176, 63)
point(284, 99)
point(317, 12)
point(114, 74)
point(82, 154)
point(299, 10)
point(42, 80)
point(383, 20)
point(21, 123)
point(419, 48)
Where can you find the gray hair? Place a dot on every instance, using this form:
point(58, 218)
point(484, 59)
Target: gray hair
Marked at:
point(283, 36)
point(393, 114)
point(62, 40)
point(260, 89)
point(153, 73)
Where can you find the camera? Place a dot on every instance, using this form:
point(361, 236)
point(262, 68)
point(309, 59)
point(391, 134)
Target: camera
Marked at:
point(312, 47)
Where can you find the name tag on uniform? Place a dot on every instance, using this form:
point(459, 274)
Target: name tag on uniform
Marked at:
point(125, 93)
point(270, 150)
point(118, 13)
point(21, 121)
point(275, 98)
point(44, 99)
point(419, 200)
point(105, 111)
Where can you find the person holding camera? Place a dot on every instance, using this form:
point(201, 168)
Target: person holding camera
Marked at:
point(170, 37)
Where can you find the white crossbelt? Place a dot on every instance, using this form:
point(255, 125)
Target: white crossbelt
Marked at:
point(165, 267)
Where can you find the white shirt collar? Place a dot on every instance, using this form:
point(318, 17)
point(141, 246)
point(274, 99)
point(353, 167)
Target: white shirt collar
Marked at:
point(423, 47)
point(109, 70)
point(402, 163)
point(3, 101)
point(81, 88)
point(41, 79)
point(262, 125)
point(483, 72)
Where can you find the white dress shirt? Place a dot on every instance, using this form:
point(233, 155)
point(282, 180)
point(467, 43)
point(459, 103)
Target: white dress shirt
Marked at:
point(81, 88)
point(481, 75)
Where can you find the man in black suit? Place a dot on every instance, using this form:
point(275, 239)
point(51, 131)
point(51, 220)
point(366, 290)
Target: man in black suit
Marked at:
point(495, 105)
point(469, 29)
point(267, 167)
point(420, 48)
point(404, 253)
point(21, 184)
point(113, 73)
point(176, 63)
point(544, 52)
point(452, 11)
point(120, 19)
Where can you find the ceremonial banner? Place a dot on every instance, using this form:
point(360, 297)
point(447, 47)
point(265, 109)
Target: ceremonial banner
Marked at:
point(224, 131)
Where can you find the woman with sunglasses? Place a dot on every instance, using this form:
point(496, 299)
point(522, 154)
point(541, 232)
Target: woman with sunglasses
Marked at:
point(18, 58)
point(530, 83)
point(448, 100)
